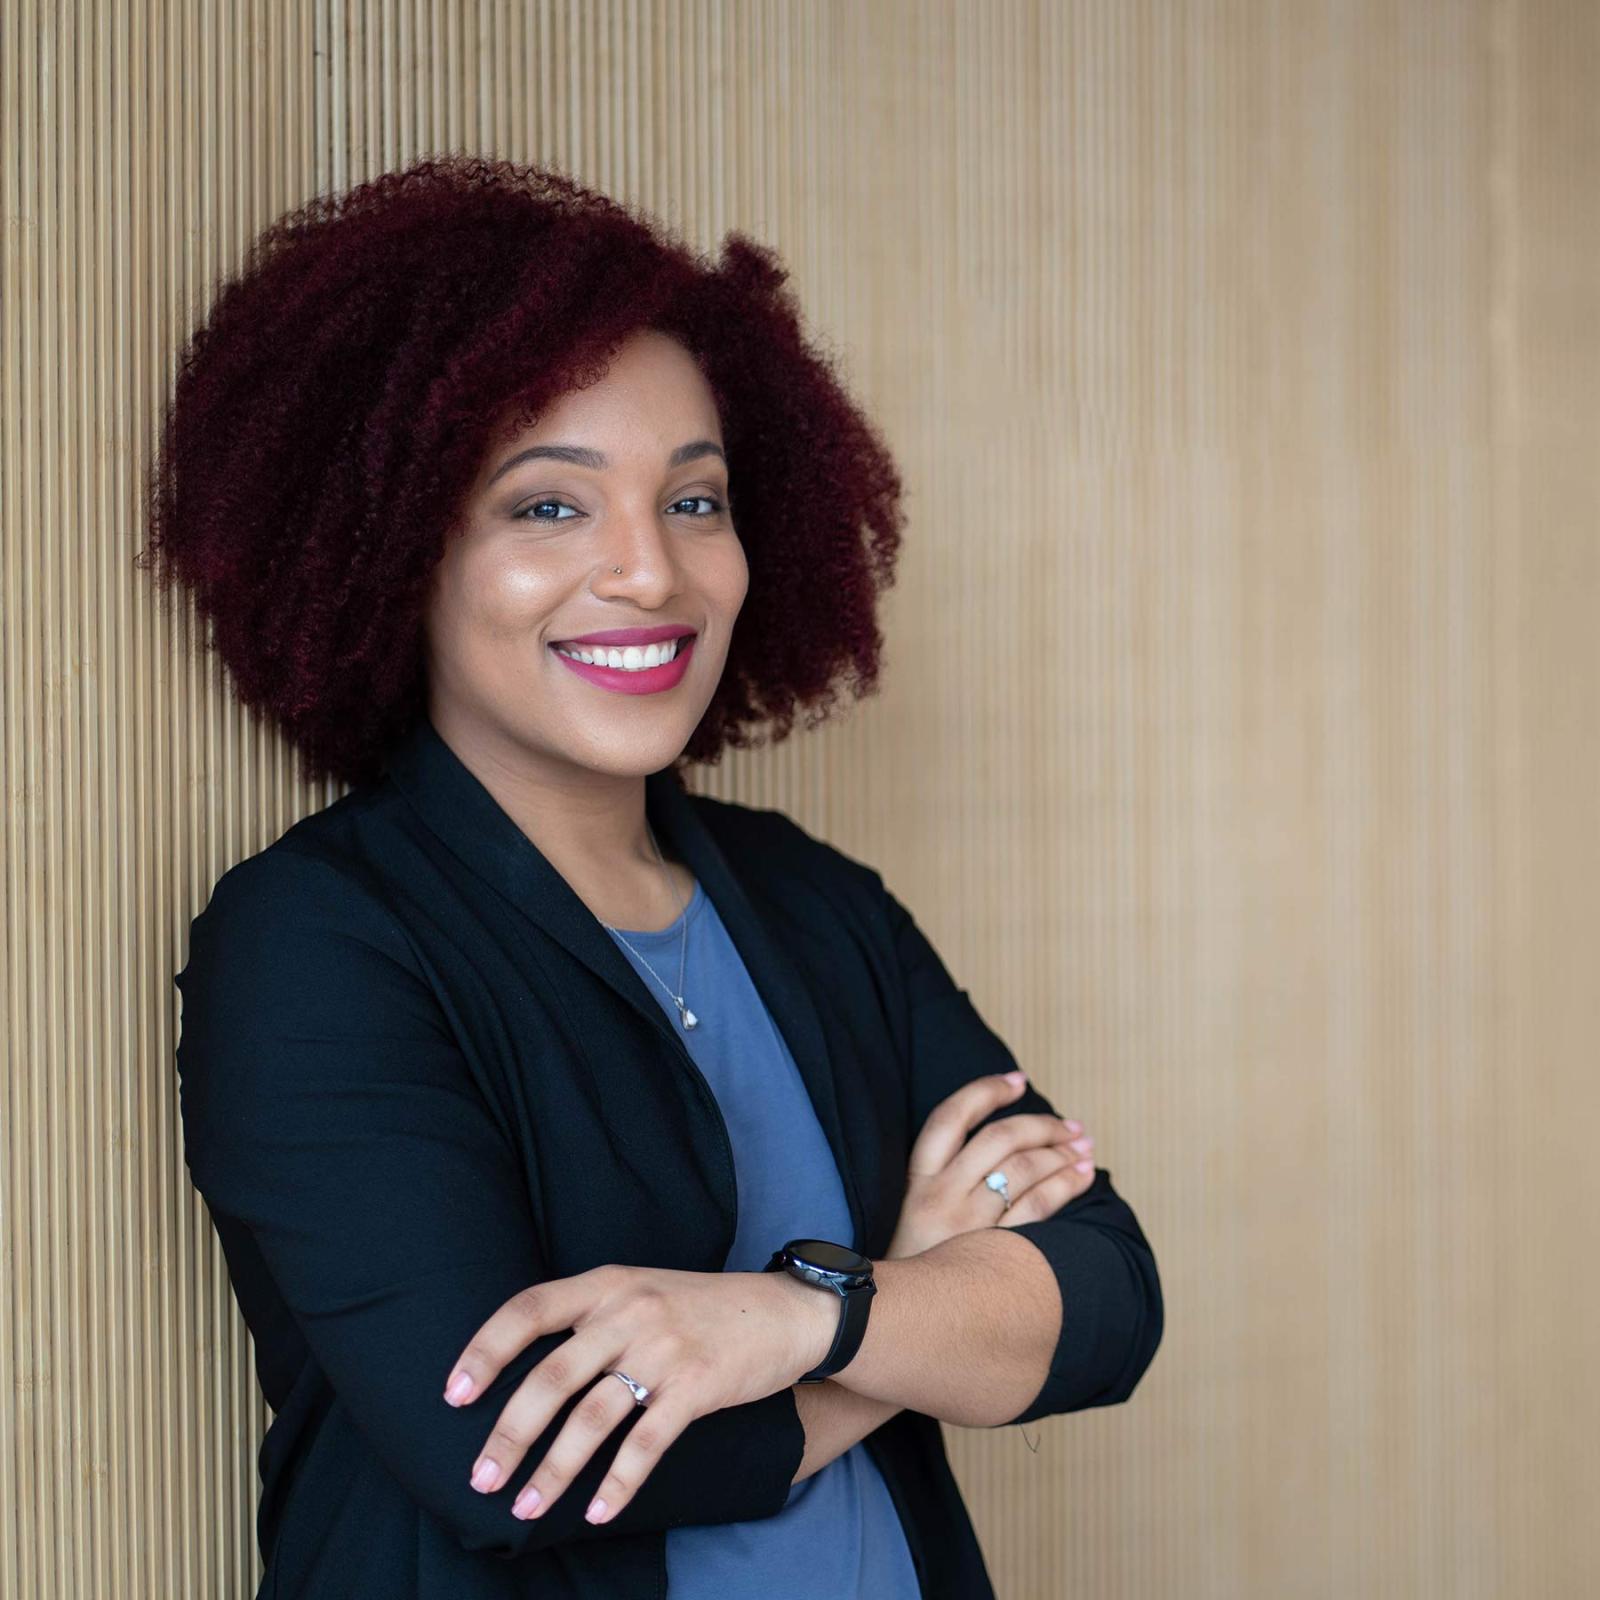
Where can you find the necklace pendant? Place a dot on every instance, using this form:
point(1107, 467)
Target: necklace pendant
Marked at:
point(689, 1018)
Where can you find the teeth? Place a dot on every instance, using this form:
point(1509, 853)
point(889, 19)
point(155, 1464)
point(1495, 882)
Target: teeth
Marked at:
point(628, 658)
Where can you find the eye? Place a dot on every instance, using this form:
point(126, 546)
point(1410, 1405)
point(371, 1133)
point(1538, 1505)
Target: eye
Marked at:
point(701, 499)
point(527, 512)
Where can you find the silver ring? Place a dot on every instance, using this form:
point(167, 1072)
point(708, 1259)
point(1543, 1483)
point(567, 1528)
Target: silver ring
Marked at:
point(997, 1181)
point(640, 1393)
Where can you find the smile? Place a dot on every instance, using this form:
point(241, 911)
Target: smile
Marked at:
point(632, 669)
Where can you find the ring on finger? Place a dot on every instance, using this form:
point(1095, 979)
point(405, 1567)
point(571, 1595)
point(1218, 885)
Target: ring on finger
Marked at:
point(641, 1395)
point(997, 1181)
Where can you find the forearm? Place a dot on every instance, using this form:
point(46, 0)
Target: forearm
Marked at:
point(834, 1419)
point(963, 1332)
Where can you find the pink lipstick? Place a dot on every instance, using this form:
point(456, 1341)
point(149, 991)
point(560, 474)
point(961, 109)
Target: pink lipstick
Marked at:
point(627, 636)
point(644, 680)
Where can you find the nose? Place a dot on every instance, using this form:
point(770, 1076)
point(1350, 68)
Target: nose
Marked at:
point(642, 547)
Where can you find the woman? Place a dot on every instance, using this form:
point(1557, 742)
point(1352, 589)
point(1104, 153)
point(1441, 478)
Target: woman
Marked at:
point(616, 1185)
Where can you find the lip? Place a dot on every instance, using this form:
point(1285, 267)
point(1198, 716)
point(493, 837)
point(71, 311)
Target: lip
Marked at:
point(648, 680)
point(666, 630)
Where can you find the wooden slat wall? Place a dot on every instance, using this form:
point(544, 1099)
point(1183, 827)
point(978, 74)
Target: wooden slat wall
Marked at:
point(1240, 746)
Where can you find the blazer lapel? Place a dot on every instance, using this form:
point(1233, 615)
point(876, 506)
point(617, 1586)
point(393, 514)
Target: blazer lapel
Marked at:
point(776, 978)
point(456, 806)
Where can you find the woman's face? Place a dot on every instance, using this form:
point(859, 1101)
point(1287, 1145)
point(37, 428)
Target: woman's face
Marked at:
point(627, 473)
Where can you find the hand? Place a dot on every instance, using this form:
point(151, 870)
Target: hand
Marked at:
point(699, 1341)
point(1047, 1161)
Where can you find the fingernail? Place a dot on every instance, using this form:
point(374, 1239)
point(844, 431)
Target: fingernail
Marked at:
point(596, 1511)
point(527, 1502)
point(1083, 1146)
point(460, 1388)
point(1073, 1126)
point(1016, 1077)
point(485, 1475)
point(1084, 1166)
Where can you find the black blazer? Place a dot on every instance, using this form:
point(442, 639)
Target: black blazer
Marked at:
point(416, 1075)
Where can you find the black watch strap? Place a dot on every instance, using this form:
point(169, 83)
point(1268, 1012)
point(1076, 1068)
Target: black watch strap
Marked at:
point(848, 1335)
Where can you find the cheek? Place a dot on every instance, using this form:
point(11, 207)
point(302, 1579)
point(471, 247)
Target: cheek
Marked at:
point(730, 579)
point(513, 597)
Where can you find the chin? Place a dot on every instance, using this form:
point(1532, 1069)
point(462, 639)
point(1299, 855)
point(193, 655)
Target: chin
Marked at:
point(635, 757)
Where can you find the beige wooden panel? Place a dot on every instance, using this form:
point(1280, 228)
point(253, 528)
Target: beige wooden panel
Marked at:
point(1239, 747)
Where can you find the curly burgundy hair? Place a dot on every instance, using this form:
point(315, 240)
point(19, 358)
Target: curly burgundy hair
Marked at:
point(329, 416)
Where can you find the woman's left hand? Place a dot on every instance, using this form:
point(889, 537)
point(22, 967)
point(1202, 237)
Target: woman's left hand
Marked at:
point(699, 1341)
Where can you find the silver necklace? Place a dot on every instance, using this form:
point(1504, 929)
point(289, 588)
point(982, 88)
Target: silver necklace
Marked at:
point(685, 1015)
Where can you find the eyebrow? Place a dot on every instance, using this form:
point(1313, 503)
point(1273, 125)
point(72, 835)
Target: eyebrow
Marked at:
point(582, 456)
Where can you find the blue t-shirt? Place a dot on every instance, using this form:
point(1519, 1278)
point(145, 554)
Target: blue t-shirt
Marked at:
point(838, 1535)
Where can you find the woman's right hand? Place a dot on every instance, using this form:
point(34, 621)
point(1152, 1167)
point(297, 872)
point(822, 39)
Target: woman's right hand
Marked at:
point(945, 1189)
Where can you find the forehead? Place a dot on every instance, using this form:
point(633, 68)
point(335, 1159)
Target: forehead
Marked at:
point(651, 384)
point(652, 409)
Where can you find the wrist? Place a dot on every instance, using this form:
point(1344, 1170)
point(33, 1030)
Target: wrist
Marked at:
point(834, 1418)
point(810, 1316)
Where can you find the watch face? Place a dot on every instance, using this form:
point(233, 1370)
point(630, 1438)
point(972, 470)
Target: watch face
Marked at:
point(827, 1255)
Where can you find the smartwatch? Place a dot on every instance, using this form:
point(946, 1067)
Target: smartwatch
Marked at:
point(842, 1271)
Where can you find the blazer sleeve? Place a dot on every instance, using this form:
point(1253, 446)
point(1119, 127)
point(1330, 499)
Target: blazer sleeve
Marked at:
point(1111, 1321)
point(328, 1108)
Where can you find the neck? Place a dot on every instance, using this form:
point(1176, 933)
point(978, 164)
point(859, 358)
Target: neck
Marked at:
point(589, 825)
